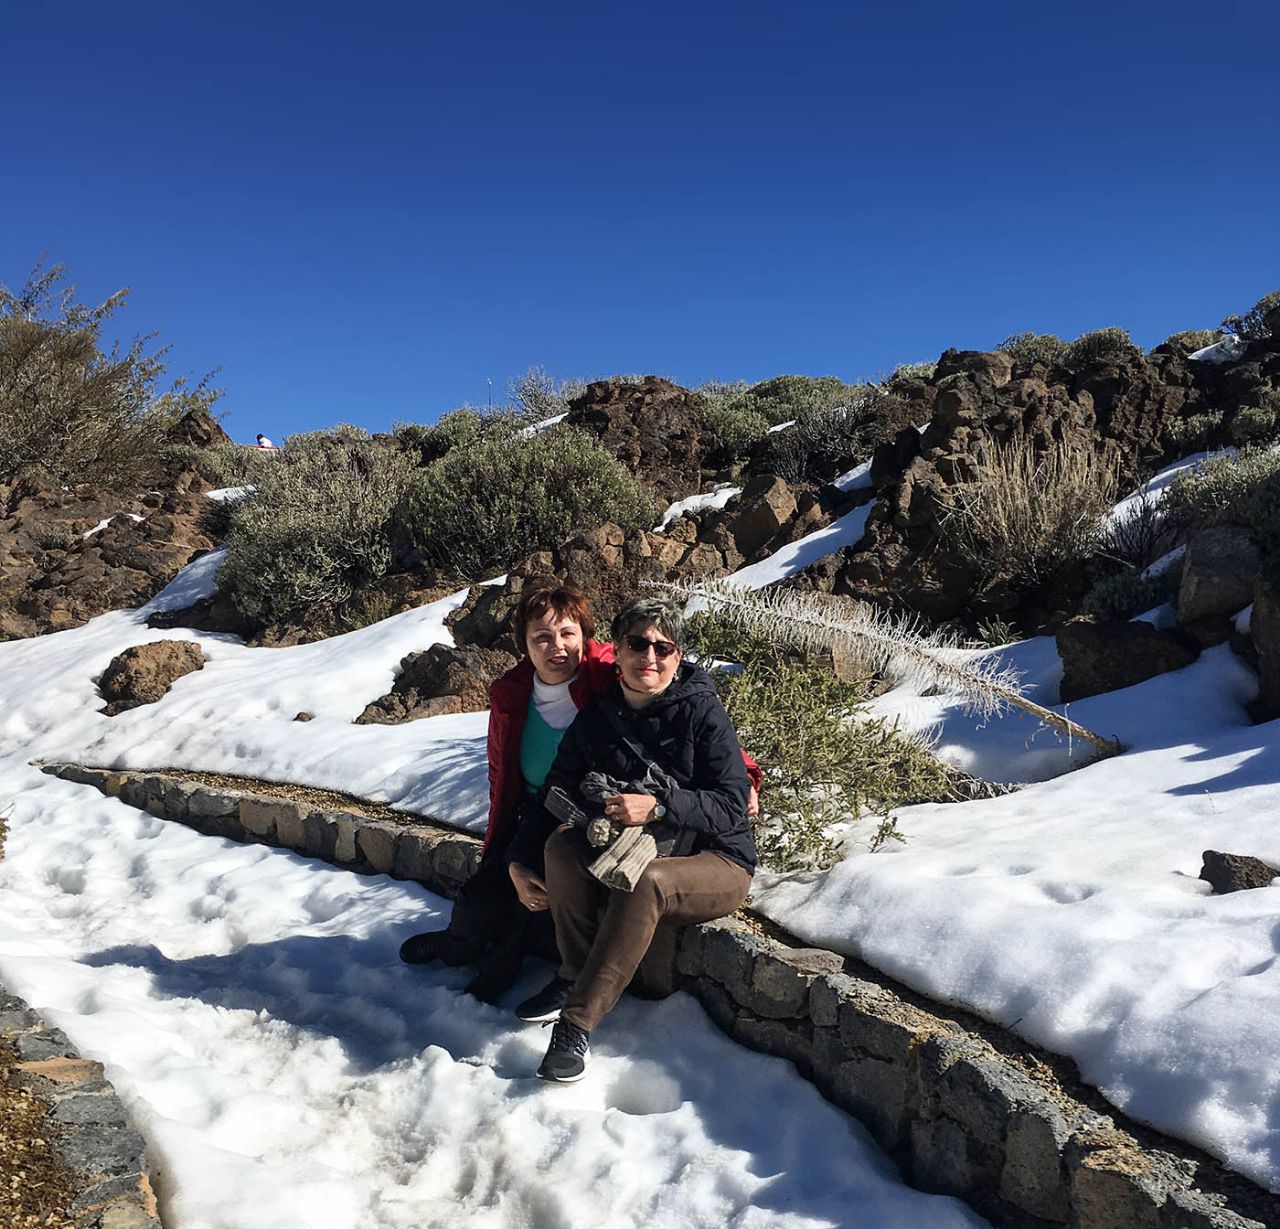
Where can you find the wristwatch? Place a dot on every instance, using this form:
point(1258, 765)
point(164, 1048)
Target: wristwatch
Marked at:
point(659, 810)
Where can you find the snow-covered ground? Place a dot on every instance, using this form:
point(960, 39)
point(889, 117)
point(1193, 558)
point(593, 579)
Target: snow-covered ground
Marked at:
point(251, 1009)
point(272, 1024)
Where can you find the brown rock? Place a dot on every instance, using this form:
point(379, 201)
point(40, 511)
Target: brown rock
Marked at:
point(438, 681)
point(1264, 631)
point(1218, 572)
point(1099, 657)
point(143, 674)
point(759, 513)
point(1234, 872)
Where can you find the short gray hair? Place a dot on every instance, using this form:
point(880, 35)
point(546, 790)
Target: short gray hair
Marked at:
point(663, 613)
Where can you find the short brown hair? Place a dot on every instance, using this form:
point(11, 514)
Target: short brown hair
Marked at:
point(568, 601)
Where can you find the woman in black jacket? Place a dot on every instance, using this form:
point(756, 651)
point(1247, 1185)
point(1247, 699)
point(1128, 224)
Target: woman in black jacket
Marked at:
point(663, 714)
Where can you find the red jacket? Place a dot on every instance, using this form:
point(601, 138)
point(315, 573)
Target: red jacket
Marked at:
point(508, 710)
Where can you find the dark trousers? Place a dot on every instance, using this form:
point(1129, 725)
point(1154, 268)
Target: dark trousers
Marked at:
point(603, 933)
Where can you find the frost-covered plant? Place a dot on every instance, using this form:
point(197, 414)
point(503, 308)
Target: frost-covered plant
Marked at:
point(484, 504)
point(1029, 513)
point(825, 760)
point(537, 395)
point(1239, 490)
point(316, 527)
point(1027, 348)
point(898, 648)
point(1252, 325)
point(1100, 344)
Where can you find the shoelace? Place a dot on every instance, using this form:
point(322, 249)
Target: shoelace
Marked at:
point(565, 1035)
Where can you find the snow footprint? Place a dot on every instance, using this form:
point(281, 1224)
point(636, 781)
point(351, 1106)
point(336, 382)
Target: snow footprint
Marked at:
point(644, 1088)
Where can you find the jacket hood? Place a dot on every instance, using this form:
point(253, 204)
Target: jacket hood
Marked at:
point(690, 681)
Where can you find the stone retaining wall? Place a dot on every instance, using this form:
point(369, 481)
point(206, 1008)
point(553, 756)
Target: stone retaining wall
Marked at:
point(106, 1157)
point(964, 1107)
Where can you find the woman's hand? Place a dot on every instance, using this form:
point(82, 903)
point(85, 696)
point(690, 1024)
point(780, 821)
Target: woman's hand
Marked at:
point(631, 810)
point(753, 802)
point(531, 890)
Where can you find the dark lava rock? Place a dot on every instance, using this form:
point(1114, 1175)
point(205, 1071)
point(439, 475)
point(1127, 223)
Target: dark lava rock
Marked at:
point(1099, 657)
point(1235, 872)
point(438, 681)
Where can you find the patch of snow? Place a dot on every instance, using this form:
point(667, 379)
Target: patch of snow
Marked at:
point(717, 497)
point(856, 479)
point(781, 426)
point(538, 427)
point(230, 492)
point(1243, 619)
point(795, 556)
point(1227, 350)
point(98, 528)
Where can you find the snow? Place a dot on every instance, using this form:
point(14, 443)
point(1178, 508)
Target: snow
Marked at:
point(230, 493)
point(856, 479)
point(251, 1010)
point(781, 426)
point(717, 497)
point(538, 427)
point(797, 555)
point(1227, 350)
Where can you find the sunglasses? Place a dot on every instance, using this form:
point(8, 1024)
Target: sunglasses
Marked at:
point(662, 649)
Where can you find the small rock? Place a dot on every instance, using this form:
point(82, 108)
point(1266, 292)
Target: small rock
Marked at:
point(1234, 872)
point(142, 674)
point(1099, 657)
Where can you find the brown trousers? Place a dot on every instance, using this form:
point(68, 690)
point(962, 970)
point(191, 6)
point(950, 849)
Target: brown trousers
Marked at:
point(603, 934)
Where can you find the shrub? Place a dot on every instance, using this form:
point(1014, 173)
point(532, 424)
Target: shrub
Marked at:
point(226, 465)
point(69, 409)
point(316, 527)
point(481, 506)
point(730, 422)
point(825, 439)
point(1096, 347)
point(431, 442)
point(825, 762)
point(1028, 348)
point(1239, 490)
point(1252, 325)
point(1193, 433)
point(1257, 424)
point(1188, 341)
point(1139, 536)
point(1029, 514)
point(904, 372)
point(537, 395)
point(1125, 594)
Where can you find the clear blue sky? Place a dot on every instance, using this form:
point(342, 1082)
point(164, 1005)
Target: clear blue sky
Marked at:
point(364, 212)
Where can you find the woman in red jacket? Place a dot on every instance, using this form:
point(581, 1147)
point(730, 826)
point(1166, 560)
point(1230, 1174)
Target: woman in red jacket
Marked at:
point(502, 911)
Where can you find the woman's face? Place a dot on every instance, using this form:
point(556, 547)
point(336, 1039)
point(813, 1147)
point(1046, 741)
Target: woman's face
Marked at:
point(643, 670)
point(554, 645)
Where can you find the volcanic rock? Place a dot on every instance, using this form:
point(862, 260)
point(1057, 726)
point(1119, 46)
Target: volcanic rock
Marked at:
point(142, 674)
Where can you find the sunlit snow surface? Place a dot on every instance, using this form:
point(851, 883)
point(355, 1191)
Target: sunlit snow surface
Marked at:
point(249, 1005)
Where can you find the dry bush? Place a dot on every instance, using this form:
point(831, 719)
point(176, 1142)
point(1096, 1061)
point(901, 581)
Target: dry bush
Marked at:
point(70, 410)
point(1031, 512)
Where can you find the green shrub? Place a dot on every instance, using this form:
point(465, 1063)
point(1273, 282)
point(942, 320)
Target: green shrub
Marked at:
point(996, 632)
point(1252, 325)
point(825, 439)
point(905, 372)
point(1193, 433)
point(1028, 348)
point(431, 441)
point(1188, 341)
point(825, 762)
point(1096, 347)
point(1241, 490)
point(1257, 424)
point(1125, 594)
point(483, 505)
point(71, 410)
point(316, 529)
point(730, 423)
point(226, 465)
point(1030, 513)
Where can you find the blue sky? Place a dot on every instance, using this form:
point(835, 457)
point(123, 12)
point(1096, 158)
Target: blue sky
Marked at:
point(364, 213)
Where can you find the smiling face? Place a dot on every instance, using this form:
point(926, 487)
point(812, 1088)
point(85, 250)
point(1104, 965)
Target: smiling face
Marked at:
point(644, 673)
point(554, 645)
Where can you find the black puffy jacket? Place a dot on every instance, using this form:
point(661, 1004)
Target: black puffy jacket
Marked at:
point(685, 731)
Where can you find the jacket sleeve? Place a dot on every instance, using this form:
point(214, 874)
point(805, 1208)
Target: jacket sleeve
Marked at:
point(494, 752)
point(537, 823)
point(716, 801)
point(754, 775)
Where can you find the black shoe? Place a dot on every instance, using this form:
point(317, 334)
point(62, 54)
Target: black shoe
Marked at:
point(543, 1007)
point(566, 1057)
point(439, 945)
point(496, 973)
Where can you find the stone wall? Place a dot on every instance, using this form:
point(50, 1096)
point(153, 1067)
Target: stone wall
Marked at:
point(105, 1155)
point(964, 1107)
